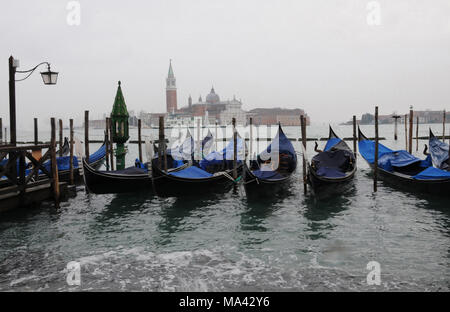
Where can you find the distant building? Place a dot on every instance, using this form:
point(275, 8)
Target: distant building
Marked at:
point(271, 116)
point(213, 109)
point(427, 116)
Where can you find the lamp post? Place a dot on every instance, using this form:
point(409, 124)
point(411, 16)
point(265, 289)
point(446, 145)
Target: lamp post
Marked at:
point(48, 77)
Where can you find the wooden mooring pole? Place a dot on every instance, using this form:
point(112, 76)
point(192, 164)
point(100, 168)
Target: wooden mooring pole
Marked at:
point(443, 127)
point(55, 177)
point(140, 141)
point(86, 135)
point(216, 136)
point(354, 136)
point(71, 179)
point(36, 137)
point(417, 133)
point(375, 163)
point(107, 143)
point(411, 121)
point(251, 139)
point(199, 143)
point(303, 132)
point(60, 137)
point(406, 132)
point(111, 144)
point(233, 122)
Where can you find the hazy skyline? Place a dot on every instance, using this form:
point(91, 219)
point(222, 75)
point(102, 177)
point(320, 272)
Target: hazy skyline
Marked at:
point(321, 56)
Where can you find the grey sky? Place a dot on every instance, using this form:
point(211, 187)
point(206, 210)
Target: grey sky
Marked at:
point(318, 55)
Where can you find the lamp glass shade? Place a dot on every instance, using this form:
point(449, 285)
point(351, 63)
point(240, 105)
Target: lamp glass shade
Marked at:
point(49, 77)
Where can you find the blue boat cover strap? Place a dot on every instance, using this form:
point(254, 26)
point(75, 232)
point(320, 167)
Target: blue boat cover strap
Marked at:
point(191, 172)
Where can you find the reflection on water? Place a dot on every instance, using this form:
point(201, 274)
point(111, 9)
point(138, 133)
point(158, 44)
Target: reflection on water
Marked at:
point(227, 242)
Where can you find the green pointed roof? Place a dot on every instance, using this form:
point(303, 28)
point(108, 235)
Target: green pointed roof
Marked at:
point(119, 107)
point(170, 75)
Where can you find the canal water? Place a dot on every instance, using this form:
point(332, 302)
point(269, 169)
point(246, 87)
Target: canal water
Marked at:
point(139, 242)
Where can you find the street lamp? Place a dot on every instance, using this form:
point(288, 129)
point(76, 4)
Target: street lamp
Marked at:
point(48, 77)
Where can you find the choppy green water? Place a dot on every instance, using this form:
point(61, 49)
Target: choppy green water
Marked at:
point(223, 242)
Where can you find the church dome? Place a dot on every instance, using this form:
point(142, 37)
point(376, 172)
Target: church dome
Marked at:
point(212, 97)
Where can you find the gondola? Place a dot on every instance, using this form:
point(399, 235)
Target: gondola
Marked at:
point(439, 152)
point(266, 177)
point(333, 167)
point(214, 174)
point(401, 169)
point(119, 181)
point(128, 180)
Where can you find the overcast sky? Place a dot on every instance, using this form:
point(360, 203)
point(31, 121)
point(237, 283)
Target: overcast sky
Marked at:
point(319, 55)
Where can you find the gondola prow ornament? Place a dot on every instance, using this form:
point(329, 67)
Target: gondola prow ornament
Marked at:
point(119, 121)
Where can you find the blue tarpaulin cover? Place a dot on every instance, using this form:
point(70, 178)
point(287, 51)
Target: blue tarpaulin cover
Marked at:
point(331, 142)
point(330, 172)
point(367, 150)
point(192, 173)
point(438, 151)
point(432, 173)
point(267, 175)
point(63, 163)
point(98, 154)
point(396, 159)
point(390, 159)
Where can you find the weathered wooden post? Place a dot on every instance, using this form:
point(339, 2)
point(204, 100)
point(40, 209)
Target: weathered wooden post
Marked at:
point(139, 141)
point(86, 135)
point(12, 100)
point(411, 120)
point(396, 117)
point(55, 177)
point(406, 132)
point(60, 137)
point(71, 179)
point(36, 138)
point(354, 136)
point(251, 139)
point(375, 163)
point(119, 120)
point(443, 127)
point(107, 143)
point(417, 133)
point(233, 122)
point(216, 136)
point(162, 156)
point(199, 143)
point(303, 132)
point(111, 145)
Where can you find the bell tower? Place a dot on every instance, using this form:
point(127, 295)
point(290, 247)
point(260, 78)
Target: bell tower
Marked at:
point(171, 91)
